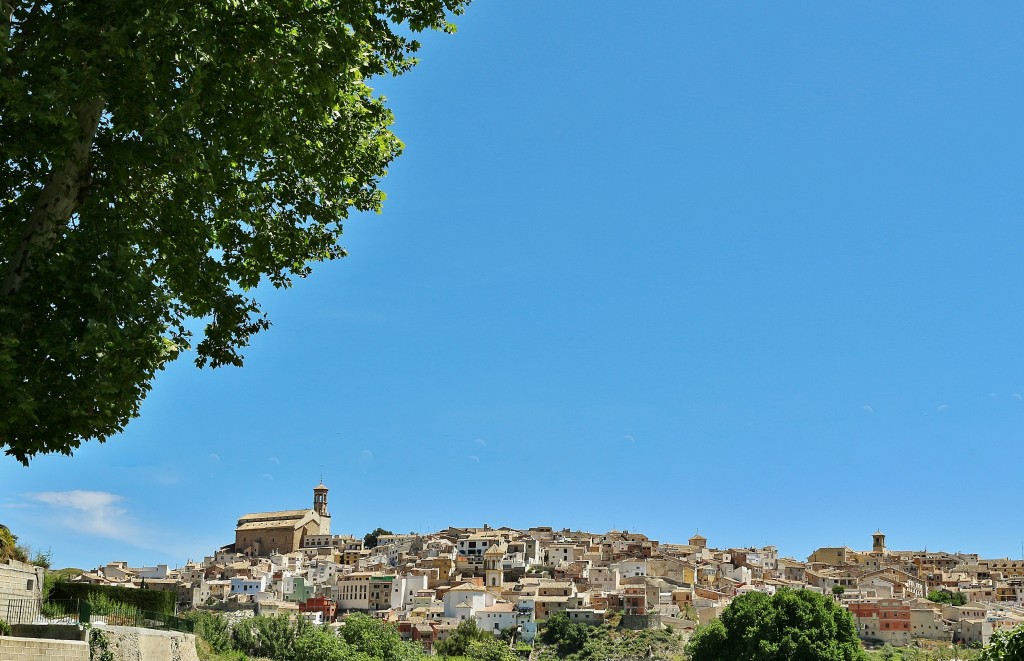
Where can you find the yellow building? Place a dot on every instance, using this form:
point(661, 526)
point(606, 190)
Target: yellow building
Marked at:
point(1008, 568)
point(832, 555)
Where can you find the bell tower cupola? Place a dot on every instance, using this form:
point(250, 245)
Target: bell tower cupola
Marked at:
point(320, 499)
point(320, 507)
point(878, 542)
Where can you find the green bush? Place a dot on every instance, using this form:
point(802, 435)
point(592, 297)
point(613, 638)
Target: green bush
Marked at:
point(321, 645)
point(99, 646)
point(457, 643)
point(377, 639)
point(270, 636)
point(5, 629)
point(797, 625)
point(490, 649)
point(154, 601)
point(213, 628)
point(567, 635)
point(947, 597)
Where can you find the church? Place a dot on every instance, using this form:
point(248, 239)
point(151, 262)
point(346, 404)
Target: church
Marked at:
point(262, 533)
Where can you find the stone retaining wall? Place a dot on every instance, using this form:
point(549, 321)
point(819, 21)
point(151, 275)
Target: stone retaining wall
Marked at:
point(40, 649)
point(135, 644)
point(641, 622)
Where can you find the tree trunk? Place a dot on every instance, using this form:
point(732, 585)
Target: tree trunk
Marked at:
point(59, 199)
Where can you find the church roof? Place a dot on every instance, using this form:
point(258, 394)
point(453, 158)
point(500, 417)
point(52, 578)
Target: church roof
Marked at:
point(283, 514)
point(320, 487)
point(283, 519)
point(468, 587)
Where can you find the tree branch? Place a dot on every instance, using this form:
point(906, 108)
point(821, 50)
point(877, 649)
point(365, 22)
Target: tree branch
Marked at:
point(6, 17)
point(58, 200)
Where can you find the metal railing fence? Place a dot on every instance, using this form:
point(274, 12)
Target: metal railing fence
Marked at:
point(80, 611)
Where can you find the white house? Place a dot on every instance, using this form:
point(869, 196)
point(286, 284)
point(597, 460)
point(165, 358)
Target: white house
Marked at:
point(465, 600)
point(316, 617)
point(631, 568)
point(404, 589)
point(323, 572)
point(288, 561)
point(604, 578)
point(249, 586)
point(563, 552)
point(497, 617)
point(159, 572)
point(740, 574)
point(439, 548)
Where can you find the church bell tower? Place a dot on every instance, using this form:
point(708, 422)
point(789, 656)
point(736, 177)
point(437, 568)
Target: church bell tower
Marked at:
point(878, 542)
point(320, 507)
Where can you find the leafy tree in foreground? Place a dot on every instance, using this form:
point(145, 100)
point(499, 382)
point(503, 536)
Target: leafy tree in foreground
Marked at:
point(490, 649)
point(569, 636)
point(213, 628)
point(8, 542)
point(273, 637)
point(1005, 646)
point(161, 159)
point(323, 645)
point(10, 548)
point(788, 626)
point(459, 641)
point(377, 639)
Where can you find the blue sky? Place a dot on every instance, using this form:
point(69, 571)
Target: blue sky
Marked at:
point(745, 268)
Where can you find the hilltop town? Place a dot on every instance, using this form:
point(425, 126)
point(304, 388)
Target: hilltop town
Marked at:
point(289, 562)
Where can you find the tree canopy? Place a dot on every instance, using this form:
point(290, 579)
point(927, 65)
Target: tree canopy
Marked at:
point(947, 597)
point(8, 544)
point(459, 641)
point(370, 539)
point(377, 639)
point(11, 549)
point(1008, 645)
point(790, 625)
point(160, 161)
point(568, 636)
point(281, 638)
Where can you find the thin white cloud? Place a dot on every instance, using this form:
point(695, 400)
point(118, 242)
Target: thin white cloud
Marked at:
point(366, 455)
point(98, 513)
point(474, 458)
point(165, 477)
point(629, 438)
point(480, 441)
point(213, 456)
point(274, 460)
point(1017, 396)
point(268, 476)
point(867, 409)
point(942, 407)
point(993, 395)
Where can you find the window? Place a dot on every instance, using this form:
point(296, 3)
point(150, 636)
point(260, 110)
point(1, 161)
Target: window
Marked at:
point(29, 585)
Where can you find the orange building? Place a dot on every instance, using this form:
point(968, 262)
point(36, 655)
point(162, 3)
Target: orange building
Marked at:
point(887, 620)
point(324, 605)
